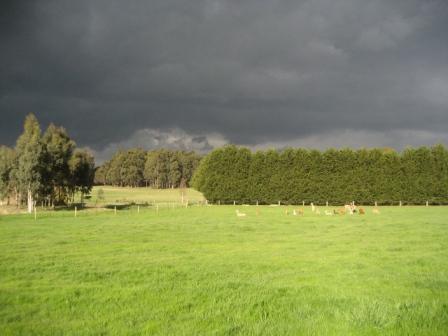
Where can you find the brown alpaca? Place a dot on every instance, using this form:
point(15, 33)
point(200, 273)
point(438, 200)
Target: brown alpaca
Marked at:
point(361, 211)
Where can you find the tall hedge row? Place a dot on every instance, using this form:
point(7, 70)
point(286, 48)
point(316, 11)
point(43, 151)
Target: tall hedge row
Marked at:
point(292, 176)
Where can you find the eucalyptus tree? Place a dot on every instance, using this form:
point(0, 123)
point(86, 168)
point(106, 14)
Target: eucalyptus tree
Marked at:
point(133, 166)
point(7, 162)
point(30, 161)
point(101, 174)
point(150, 172)
point(82, 172)
point(174, 169)
point(189, 161)
point(58, 150)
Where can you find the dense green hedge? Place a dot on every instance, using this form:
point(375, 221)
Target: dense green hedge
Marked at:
point(292, 176)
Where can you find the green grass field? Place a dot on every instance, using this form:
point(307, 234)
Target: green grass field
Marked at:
point(114, 195)
point(203, 271)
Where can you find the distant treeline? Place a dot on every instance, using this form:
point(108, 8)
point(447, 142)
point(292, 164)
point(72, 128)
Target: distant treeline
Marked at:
point(44, 168)
point(292, 176)
point(157, 168)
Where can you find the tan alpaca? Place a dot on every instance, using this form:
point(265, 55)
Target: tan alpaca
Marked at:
point(297, 212)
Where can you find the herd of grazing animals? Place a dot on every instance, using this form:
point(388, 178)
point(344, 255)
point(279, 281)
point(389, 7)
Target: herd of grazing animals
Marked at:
point(350, 209)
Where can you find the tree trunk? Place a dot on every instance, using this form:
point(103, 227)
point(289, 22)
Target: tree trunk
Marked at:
point(30, 201)
point(17, 197)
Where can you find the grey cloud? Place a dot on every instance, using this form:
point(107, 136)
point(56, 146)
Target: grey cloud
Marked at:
point(170, 138)
point(254, 71)
point(398, 139)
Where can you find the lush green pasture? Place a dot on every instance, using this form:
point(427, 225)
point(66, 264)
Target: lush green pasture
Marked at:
point(204, 271)
point(114, 195)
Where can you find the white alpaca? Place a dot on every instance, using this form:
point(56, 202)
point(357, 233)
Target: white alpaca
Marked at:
point(240, 214)
point(313, 208)
point(294, 212)
point(328, 213)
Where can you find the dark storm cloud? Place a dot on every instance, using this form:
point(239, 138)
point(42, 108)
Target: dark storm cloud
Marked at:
point(314, 73)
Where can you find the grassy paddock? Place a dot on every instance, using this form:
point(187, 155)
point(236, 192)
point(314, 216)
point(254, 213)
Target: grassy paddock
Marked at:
point(142, 195)
point(202, 270)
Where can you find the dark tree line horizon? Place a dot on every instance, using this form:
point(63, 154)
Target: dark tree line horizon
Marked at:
point(339, 176)
point(44, 167)
point(160, 169)
point(47, 167)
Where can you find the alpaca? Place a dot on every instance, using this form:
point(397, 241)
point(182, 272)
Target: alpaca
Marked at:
point(240, 214)
point(297, 212)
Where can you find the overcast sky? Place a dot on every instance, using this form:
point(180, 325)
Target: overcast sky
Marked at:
point(198, 74)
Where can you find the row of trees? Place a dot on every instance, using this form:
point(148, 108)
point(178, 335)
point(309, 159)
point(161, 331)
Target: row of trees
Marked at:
point(44, 167)
point(339, 176)
point(158, 168)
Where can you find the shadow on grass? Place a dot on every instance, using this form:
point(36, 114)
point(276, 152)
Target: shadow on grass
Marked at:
point(118, 206)
point(78, 206)
point(83, 206)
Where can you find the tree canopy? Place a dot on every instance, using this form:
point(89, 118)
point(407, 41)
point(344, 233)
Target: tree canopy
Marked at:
point(44, 168)
point(162, 168)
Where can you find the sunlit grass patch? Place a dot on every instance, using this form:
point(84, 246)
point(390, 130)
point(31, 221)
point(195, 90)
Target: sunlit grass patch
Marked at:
point(203, 270)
